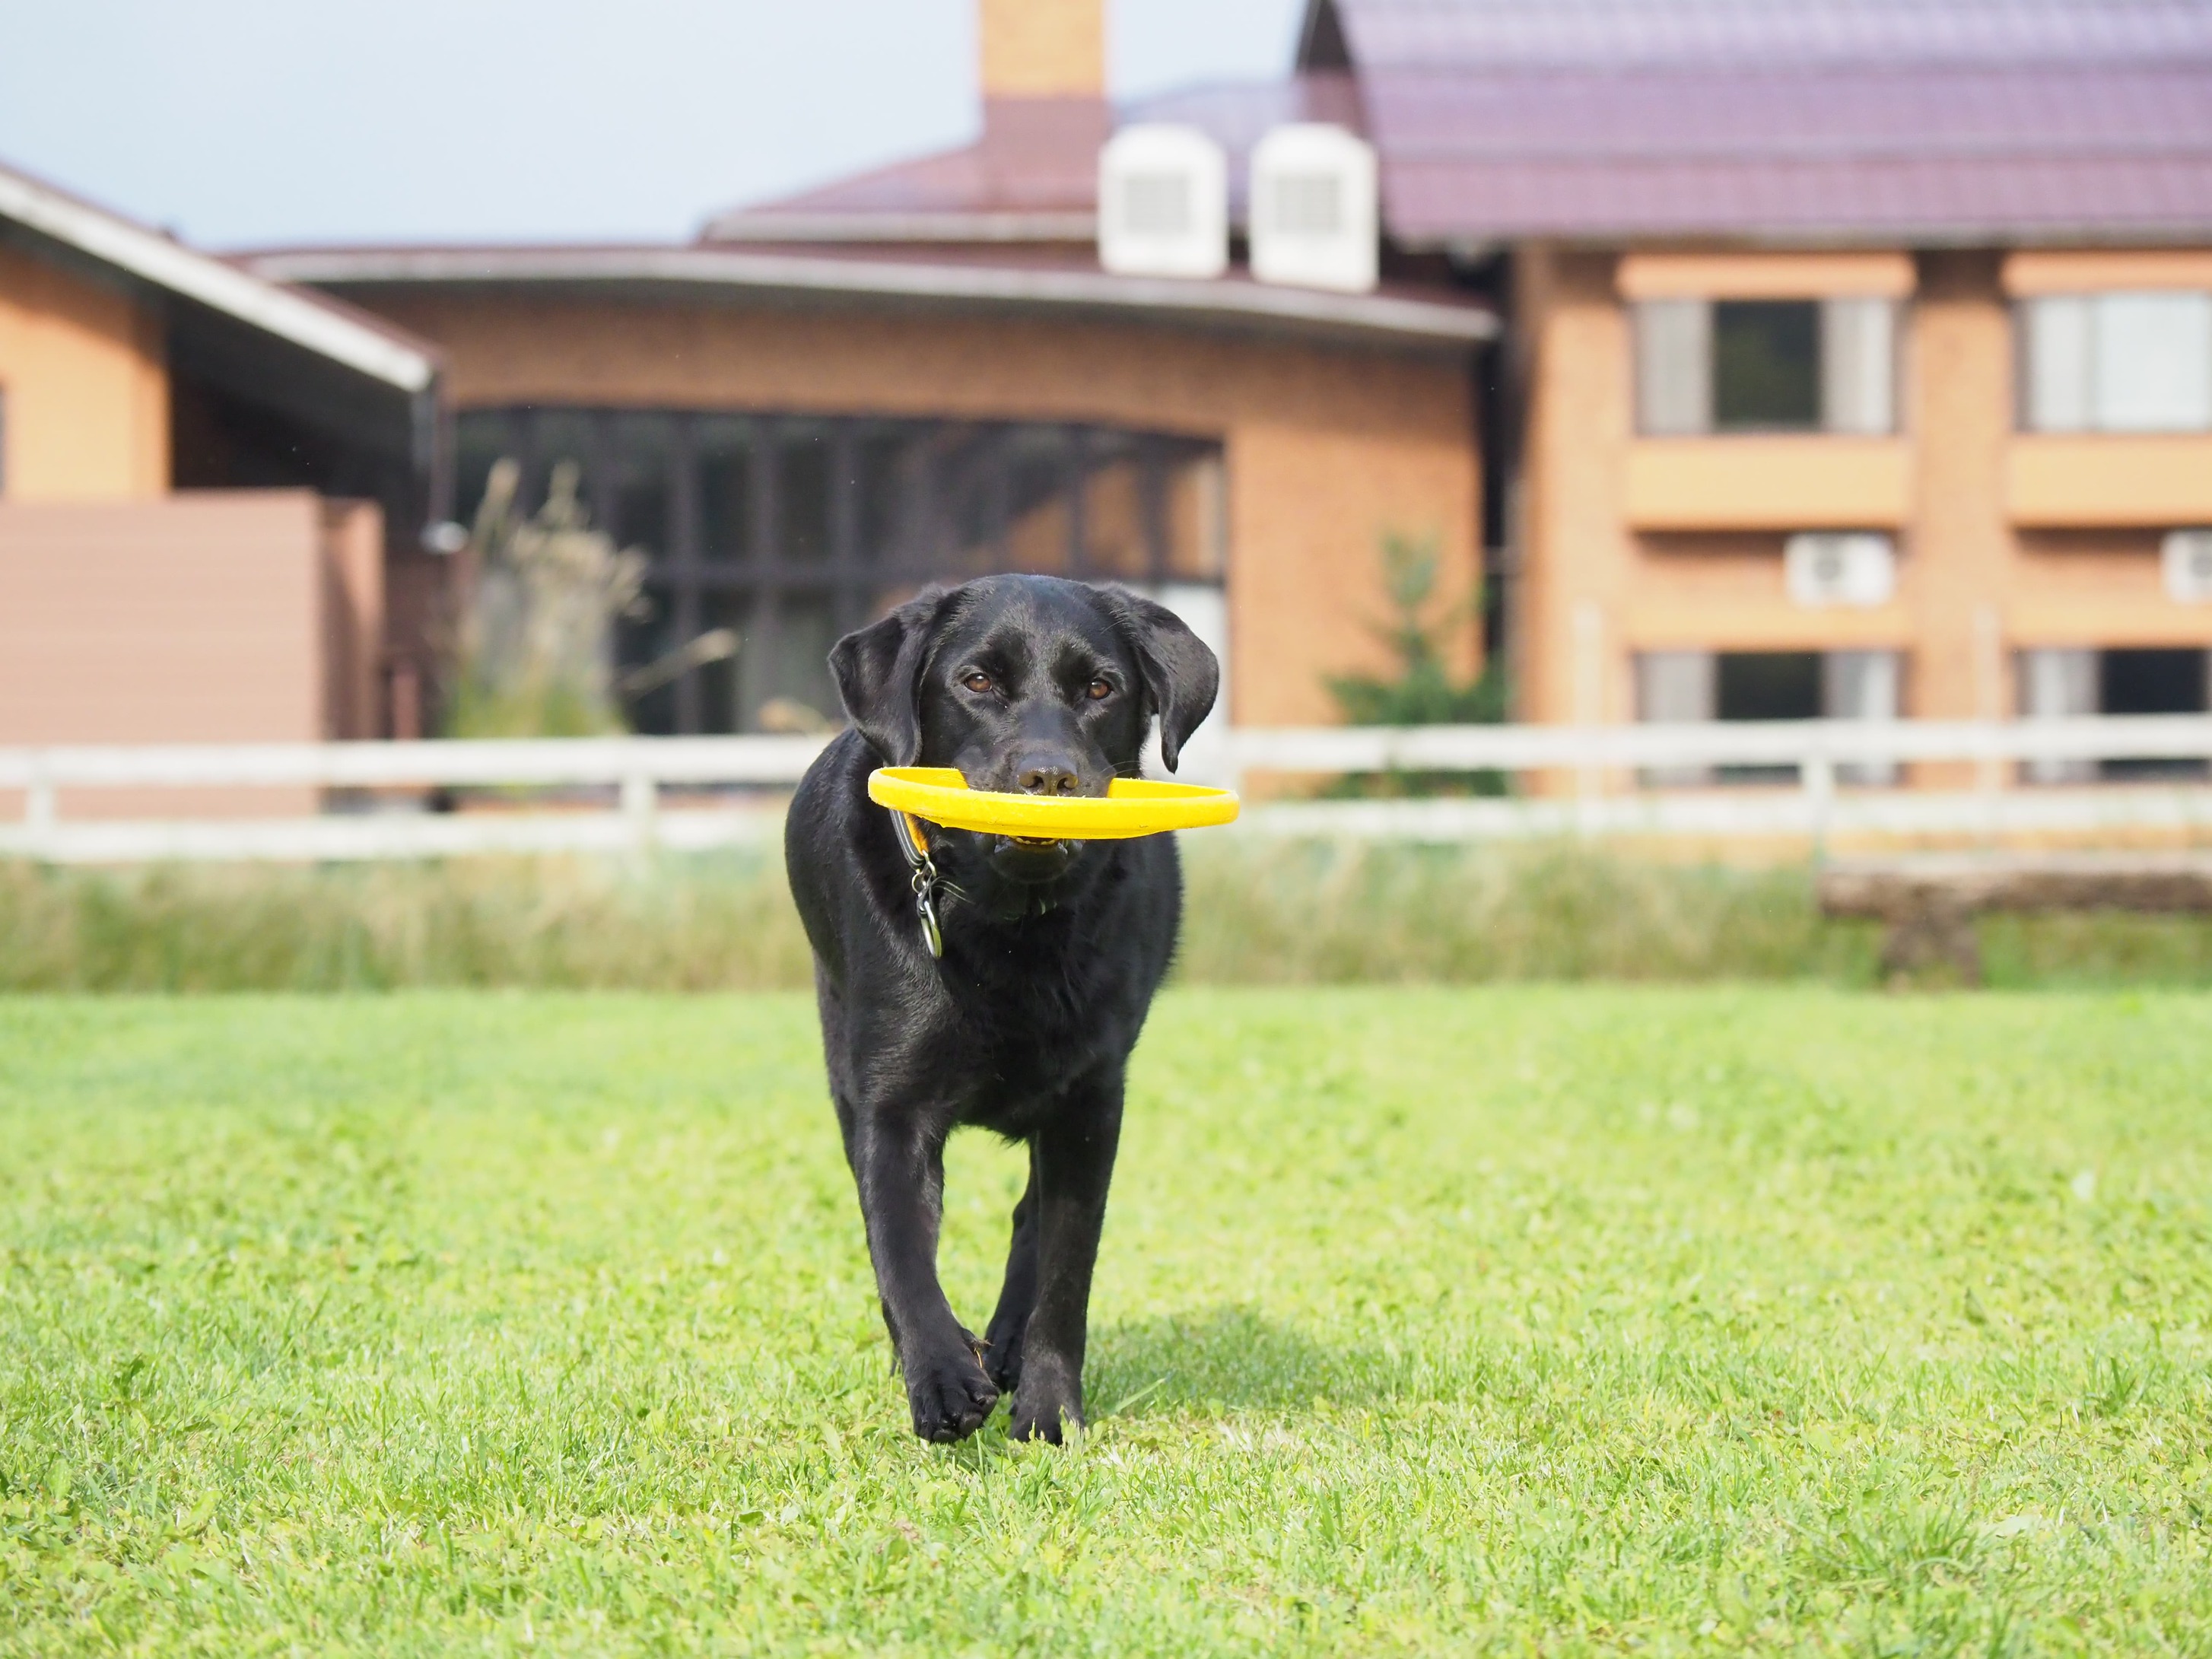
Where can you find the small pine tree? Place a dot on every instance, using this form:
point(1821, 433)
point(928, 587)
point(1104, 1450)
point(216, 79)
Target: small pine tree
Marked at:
point(1423, 691)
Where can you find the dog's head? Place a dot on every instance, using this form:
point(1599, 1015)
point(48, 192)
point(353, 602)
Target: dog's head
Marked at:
point(1028, 684)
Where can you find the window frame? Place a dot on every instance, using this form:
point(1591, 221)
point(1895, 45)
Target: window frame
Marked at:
point(1663, 328)
point(2033, 314)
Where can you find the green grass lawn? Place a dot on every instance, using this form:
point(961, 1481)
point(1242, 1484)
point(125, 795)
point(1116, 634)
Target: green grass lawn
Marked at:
point(1539, 1319)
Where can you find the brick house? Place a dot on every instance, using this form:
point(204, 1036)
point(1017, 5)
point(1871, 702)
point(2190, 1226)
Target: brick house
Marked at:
point(1862, 349)
point(822, 403)
point(209, 483)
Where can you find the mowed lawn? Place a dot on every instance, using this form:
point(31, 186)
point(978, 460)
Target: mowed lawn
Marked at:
point(1535, 1319)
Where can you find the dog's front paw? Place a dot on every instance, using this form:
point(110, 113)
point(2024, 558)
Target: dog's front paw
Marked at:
point(950, 1396)
point(1048, 1404)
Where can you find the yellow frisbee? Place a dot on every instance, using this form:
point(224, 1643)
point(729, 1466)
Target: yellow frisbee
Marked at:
point(1130, 807)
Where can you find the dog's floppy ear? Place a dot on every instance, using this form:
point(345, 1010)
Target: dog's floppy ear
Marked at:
point(1182, 676)
point(878, 674)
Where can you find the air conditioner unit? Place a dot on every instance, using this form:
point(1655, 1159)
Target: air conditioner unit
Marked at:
point(1163, 203)
point(1822, 569)
point(1315, 216)
point(2187, 558)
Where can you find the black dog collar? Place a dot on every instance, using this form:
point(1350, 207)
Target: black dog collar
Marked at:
point(925, 878)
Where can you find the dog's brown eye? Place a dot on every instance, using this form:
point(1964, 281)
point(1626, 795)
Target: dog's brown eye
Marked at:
point(1098, 689)
point(977, 682)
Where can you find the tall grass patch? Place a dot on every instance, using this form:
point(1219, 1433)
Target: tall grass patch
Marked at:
point(577, 923)
point(1258, 912)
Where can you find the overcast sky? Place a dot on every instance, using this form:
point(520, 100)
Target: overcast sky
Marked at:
point(245, 122)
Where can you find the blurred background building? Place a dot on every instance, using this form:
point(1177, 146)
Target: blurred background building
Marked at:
point(1750, 359)
point(211, 484)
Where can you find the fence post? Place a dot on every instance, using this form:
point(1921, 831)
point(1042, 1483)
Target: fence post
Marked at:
point(41, 802)
point(641, 804)
point(1590, 709)
point(1818, 774)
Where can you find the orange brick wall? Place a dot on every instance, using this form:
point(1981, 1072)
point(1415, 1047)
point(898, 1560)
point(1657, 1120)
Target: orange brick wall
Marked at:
point(84, 372)
point(1327, 447)
point(1978, 581)
point(1577, 558)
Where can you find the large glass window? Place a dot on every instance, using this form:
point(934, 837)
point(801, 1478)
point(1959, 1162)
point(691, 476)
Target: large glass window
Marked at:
point(1708, 366)
point(790, 530)
point(2116, 363)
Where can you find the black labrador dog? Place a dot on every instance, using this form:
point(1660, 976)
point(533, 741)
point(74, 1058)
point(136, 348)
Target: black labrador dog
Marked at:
point(1051, 952)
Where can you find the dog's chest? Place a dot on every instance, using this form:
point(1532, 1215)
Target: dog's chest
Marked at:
point(1023, 1040)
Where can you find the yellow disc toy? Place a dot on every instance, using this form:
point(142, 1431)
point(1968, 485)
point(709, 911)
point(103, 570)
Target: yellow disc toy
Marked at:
point(1130, 807)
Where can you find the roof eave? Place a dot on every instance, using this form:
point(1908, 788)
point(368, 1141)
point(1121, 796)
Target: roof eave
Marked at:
point(308, 321)
point(835, 228)
point(1949, 235)
point(1368, 317)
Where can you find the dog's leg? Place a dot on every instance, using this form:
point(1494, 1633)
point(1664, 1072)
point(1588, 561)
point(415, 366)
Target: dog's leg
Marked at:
point(1072, 1161)
point(1010, 1323)
point(849, 1134)
point(900, 1163)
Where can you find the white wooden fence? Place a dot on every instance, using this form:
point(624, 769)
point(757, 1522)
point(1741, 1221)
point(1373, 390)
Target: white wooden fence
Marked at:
point(1600, 765)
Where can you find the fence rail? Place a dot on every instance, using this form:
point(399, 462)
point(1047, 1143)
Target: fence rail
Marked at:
point(1601, 762)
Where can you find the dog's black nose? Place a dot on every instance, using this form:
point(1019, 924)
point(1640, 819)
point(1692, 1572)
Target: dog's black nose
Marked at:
point(1046, 778)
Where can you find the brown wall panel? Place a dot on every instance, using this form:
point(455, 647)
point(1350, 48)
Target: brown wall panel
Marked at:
point(200, 618)
point(353, 619)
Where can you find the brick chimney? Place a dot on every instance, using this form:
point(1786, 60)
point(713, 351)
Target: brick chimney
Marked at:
point(1044, 99)
point(1043, 49)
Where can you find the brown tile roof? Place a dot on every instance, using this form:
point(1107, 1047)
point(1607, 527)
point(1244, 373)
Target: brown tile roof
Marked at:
point(1032, 172)
point(1033, 175)
point(1921, 121)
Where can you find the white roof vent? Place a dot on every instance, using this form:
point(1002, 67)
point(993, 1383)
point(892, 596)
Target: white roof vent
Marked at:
point(1163, 203)
point(2187, 558)
point(1852, 567)
point(1314, 209)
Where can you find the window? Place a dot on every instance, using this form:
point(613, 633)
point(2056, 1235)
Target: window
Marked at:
point(1687, 686)
point(2116, 363)
point(2075, 682)
point(790, 531)
point(1765, 366)
point(722, 466)
point(1766, 685)
point(2155, 681)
